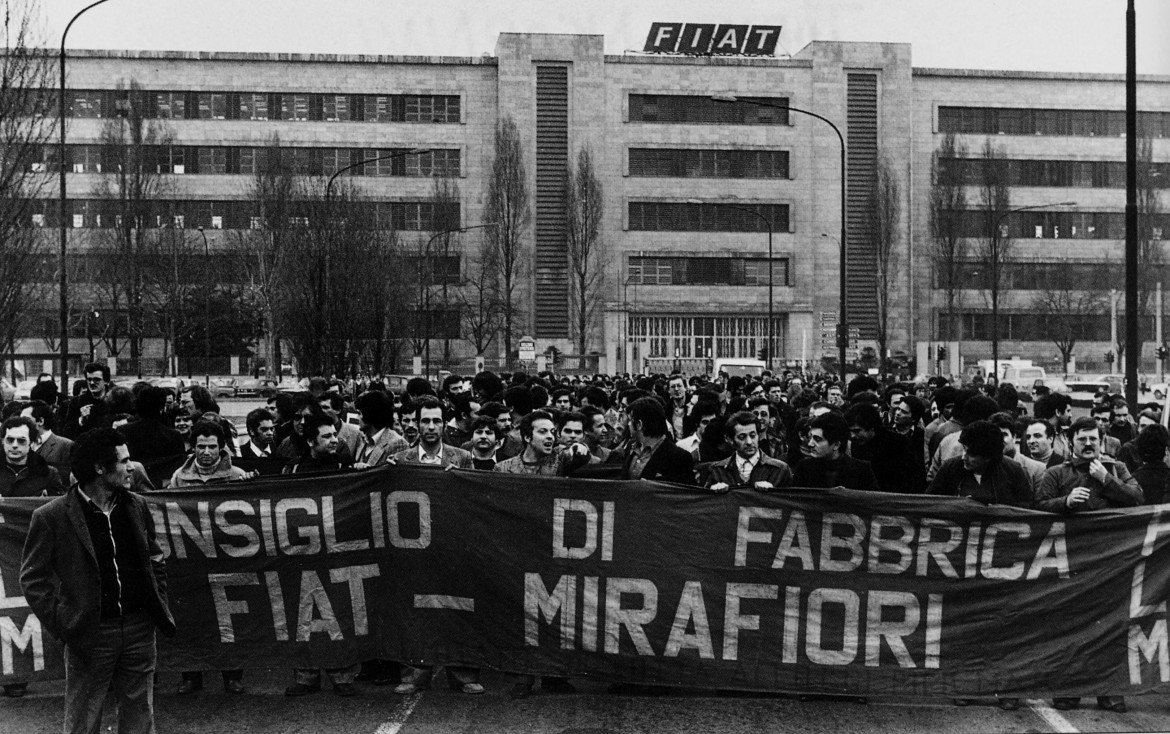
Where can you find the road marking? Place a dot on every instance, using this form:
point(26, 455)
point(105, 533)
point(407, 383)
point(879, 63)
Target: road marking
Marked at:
point(399, 715)
point(1051, 716)
point(439, 601)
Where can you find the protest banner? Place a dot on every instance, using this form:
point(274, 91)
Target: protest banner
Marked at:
point(796, 590)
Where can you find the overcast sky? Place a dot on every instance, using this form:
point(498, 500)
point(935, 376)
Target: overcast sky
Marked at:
point(1031, 35)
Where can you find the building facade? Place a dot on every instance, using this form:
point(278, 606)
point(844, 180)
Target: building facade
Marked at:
point(718, 211)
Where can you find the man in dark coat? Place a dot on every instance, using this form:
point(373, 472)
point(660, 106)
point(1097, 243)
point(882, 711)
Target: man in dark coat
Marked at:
point(983, 473)
point(827, 465)
point(23, 472)
point(148, 438)
point(96, 578)
point(87, 409)
point(888, 453)
point(652, 453)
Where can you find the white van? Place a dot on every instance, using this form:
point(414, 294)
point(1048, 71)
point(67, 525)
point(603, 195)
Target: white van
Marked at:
point(735, 366)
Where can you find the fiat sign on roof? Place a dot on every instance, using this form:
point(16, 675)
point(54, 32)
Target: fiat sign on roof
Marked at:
point(712, 39)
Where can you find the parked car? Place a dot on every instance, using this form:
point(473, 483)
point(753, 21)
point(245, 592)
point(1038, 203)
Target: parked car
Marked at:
point(224, 387)
point(1082, 392)
point(249, 387)
point(178, 384)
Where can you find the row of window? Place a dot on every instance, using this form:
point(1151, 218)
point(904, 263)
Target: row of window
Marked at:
point(1027, 121)
point(1028, 326)
point(188, 105)
point(412, 216)
point(1031, 276)
point(693, 109)
point(208, 159)
point(1059, 174)
point(1058, 225)
point(700, 163)
point(662, 216)
point(707, 271)
point(704, 336)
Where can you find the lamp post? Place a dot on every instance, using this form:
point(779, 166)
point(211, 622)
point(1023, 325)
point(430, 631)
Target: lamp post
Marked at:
point(994, 266)
point(843, 320)
point(426, 292)
point(767, 222)
point(62, 277)
point(207, 310)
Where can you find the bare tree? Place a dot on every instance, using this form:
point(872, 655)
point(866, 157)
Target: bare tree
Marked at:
point(584, 207)
point(1067, 298)
point(134, 150)
point(171, 272)
point(445, 221)
point(478, 307)
point(885, 212)
point(508, 206)
point(1151, 247)
point(948, 200)
point(996, 242)
point(25, 126)
point(277, 194)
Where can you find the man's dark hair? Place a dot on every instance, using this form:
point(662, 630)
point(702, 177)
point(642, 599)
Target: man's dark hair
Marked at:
point(485, 421)
point(860, 384)
point(864, 416)
point(742, 418)
point(1049, 405)
point(1084, 424)
point(945, 396)
point(529, 420)
point(450, 380)
point(313, 426)
point(519, 399)
point(1101, 408)
point(98, 367)
point(1048, 429)
point(493, 410)
point(982, 439)
point(207, 428)
point(1113, 406)
point(487, 385)
point(596, 396)
point(539, 395)
point(833, 427)
point(256, 417)
point(151, 403)
point(565, 417)
point(303, 400)
point(1007, 397)
point(377, 409)
point(283, 403)
point(45, 413)
point(417, 386)
point(562, 392)
point(891, 391)
point(460, 405)
point(649, 412)
point(98, 447)
point(45, 391)
point(335, 400)
point(20, 420)
point(705, 405)
point(1002, 420)
point(1151, 443)
point(978, 408)
point(915, 405)
point(426, 402)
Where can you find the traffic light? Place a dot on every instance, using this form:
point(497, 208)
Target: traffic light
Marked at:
point(762, 354)
point(942, 354)
point(1163, 352)
point(1108, 357)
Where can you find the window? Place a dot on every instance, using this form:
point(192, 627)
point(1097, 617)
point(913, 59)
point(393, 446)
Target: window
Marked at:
point(88, 103)
point(294, 107)
point(687, 109)
point(651, 216)
point(85, 158)
point(707, 271)
point(171, 159)
point(212, 160)
point(335, 108)
point(253, 106)
point(212, 106)
point(1026, 121)
point(694, 163)
point(170, 105)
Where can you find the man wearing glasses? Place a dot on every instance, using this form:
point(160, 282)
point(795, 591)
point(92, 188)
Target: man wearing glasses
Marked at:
point(87, 409)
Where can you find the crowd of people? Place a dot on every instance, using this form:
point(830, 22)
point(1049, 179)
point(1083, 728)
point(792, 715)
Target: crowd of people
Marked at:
point(100, 448)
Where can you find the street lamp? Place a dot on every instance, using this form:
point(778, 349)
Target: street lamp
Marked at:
point(207, 310)
point(843, 328)
point(62, 277)
point(768, 222)
point(994, 264)
point(421, 281)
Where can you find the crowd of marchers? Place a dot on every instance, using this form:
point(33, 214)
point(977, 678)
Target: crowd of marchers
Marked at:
point(94, 574)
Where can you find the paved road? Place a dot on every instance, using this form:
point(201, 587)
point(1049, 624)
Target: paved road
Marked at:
point(265, 710)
